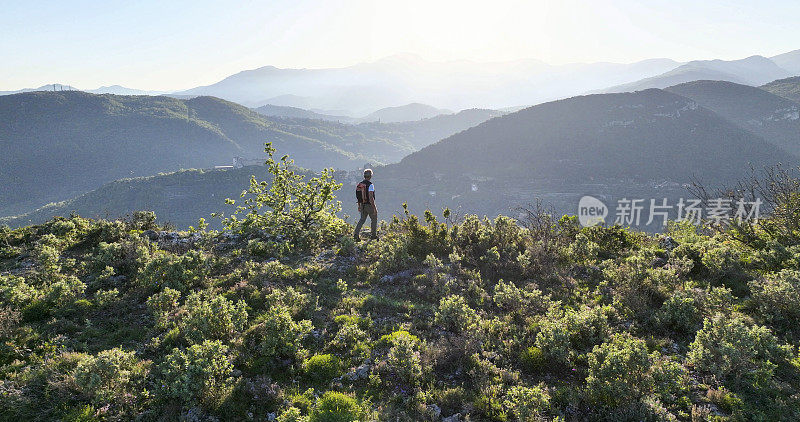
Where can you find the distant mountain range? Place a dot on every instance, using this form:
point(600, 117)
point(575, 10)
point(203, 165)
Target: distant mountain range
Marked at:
point(113, 89)
point(406, 113)
point(646, 135)
point(789, 61)
point(48, 87)
point(297, 112)
point(754, 70)
point(60, 145)
point(360, 89)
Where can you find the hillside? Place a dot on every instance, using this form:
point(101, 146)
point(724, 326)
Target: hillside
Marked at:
point(179, 198)
point(775, 119)
point(295, 112)
point(182, 197)
point(442, 318)
point(754, 70)
point(788, 88)
point(634, 145)
point(645, 145)
point(421, 133)
point(406, 113)
point(659, 134)
point(57, 145)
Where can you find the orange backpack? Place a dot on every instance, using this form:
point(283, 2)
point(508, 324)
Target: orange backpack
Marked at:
point(362, 192)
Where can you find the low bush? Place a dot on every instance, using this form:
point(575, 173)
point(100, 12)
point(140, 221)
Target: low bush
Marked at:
point(200, 375)
point(181, 273)
point(777, 297)
point(735, 352)
point(619, 371)
point(455, 314)
point(322, 368)
point(335, 407)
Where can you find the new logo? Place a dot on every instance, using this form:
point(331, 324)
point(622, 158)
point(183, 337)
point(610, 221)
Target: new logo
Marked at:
point(591, 211)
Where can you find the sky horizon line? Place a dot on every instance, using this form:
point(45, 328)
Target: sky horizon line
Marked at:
point(390, 56)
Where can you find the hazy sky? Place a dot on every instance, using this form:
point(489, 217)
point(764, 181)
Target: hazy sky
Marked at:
point(175, 44)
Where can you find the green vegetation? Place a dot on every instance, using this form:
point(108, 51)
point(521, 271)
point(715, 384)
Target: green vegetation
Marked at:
point(788, 88)
point(282, 317)
point(57, 145)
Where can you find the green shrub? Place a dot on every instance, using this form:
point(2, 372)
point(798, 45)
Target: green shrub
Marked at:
point(294, 213)
point(322, 368)
point(127, 257)
point(299, 304)
point(532, 359)
point(566, 334)
point(736, 353)
point(489, 405)
point(671, 382)
point(181, 273)
point(82, 413)
point(15, 292)
point(777, 297)
point(163, 304)
point(64, 290)
point(199, 375)
point(527, 403)
point(110, 375)
point(335, 407)
point(510, 298)
point(619, 371)
point(494, 246)
point(454, 314)
point(351, 341)
point(680, 313)
point(212, 318)
point(61, 227)
point(291, 414)
point(9, 319)
point(403, 359)
point(276, 334)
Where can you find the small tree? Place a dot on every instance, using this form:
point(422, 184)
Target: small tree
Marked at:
point(300, 214)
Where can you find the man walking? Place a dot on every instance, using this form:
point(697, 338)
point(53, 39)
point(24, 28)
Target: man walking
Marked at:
point(365, 195)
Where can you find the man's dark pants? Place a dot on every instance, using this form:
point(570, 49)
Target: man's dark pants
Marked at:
point(368, 210)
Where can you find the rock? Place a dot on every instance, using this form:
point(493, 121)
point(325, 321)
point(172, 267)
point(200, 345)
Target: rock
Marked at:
point(391, 277)
point(435, 410)
point(658, 262)
point(170, 235)
point(150, 234)
point(117, 279)
point(668, 243)
point(362, 372)
point(453, 418)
